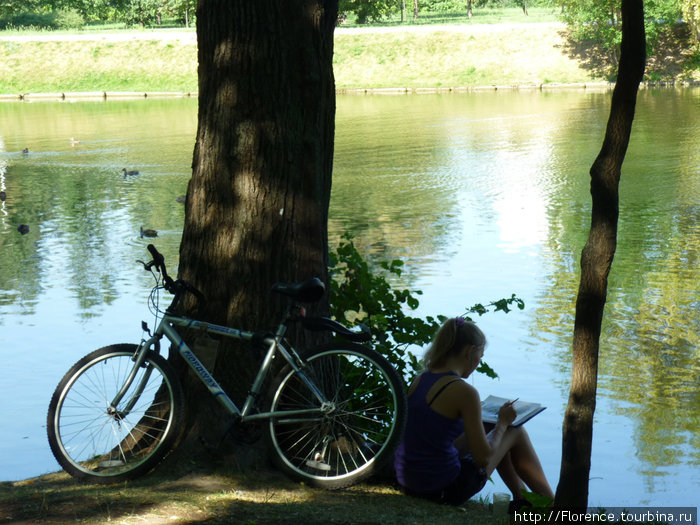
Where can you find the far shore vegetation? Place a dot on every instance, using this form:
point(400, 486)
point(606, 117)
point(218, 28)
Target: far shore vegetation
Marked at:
point(437, 51)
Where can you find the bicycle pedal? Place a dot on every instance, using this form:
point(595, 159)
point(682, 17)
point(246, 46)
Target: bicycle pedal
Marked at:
point(318, 465)
point(110, 463)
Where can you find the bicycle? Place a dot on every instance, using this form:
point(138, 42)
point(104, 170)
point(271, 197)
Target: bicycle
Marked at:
point(336, 413)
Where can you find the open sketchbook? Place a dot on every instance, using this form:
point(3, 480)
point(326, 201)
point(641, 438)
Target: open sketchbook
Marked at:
point(526, 411)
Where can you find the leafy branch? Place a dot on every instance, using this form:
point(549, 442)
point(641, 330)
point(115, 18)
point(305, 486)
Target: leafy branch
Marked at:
point(360, 296)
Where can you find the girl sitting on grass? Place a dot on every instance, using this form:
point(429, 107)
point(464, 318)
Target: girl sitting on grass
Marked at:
point(446, 454)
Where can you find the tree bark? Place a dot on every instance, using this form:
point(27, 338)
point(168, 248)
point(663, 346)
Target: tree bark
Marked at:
point(596, 261)
point(257, 205)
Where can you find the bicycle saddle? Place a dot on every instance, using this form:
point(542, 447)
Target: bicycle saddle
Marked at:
point(304, 292)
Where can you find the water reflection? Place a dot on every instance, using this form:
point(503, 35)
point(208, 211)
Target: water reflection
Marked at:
point(81, 210)
point(482, 195)
point(650, 344)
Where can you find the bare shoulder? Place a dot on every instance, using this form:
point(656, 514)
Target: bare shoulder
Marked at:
point(468, 393)
point(464, 399)
point(462, 394)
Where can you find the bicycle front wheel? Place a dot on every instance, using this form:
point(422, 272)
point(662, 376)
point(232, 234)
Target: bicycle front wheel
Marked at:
point(350, 437)
point(94, 441)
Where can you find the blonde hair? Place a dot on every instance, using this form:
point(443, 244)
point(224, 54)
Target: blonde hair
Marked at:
point(453, 335)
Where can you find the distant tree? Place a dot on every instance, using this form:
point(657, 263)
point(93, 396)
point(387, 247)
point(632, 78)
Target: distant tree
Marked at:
point(11, 7)
point(369, 10)
point(96, 10)
point(600, 21)
point(691, 15)
point(141, 12)
point(183, 10)
point(659, 17)
point(596, 261)
point(54, 14)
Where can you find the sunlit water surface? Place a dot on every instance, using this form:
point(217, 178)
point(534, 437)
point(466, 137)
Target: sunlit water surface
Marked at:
point(482, 195)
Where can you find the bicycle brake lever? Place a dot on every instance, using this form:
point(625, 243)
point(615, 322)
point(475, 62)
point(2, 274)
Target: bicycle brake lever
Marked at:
point(146, 266)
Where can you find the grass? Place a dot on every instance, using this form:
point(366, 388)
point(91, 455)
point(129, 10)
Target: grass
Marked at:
point(479, 16)
point(480, 52)
point(477, 55)
point(213, 494)
point(491, 55)
point(71, 66)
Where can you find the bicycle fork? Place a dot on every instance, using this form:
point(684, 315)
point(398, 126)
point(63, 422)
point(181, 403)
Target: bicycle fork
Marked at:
point(139, 358)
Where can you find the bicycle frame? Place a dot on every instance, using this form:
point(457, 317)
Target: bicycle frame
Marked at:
point(167, 328)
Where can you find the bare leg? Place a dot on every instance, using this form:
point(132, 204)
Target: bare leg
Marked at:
point(510, 477)
point(527, 465)
point(523, 458)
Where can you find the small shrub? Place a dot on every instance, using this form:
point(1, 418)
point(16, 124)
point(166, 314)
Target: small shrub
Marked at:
point(68, 19)
point(360, 296)
point(26, 20)
point(62, 19)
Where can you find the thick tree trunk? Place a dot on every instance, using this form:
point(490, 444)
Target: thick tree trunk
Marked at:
point(257, 204)
point(596, 260)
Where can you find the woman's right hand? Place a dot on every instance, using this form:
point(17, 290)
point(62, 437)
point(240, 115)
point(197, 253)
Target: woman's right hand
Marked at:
point(507, 414)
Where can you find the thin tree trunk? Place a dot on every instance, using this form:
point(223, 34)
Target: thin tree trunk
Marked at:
point(257, 204)
point(596, 261)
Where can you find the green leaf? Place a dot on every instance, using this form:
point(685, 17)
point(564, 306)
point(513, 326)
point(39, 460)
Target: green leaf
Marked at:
point(484, 368)
point(361, 295)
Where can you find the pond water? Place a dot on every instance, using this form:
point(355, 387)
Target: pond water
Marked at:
point(482, 195)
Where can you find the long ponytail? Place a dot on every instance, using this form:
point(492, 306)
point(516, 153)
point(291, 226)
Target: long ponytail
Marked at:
point(452, 336)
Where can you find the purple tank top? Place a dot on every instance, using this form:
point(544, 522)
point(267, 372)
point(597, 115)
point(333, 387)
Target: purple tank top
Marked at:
point(427, 460)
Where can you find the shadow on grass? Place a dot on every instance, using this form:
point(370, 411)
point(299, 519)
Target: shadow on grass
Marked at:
point(205, 494)
point(673, 58)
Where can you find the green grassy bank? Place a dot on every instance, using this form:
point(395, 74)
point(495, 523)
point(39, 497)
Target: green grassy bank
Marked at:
point(86, 66)
point(433, 56)
point(451, 56)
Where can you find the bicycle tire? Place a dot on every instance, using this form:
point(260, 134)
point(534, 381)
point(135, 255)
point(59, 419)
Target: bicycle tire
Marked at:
point(92, 444)
point(353, 441)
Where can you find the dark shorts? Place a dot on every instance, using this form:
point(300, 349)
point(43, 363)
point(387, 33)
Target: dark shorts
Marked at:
point(471, 479)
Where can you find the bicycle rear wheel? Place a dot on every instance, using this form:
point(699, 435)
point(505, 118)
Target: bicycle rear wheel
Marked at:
point(94, 442)
point(355, 435)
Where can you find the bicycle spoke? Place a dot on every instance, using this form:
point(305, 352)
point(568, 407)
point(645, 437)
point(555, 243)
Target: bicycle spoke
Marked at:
point(360, 426)
point(92, 439)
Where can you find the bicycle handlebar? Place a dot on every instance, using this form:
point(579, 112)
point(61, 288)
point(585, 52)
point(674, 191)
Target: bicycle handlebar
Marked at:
point(158, 258)
point(175, 287)
point(159, 263)
point(308, 291)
